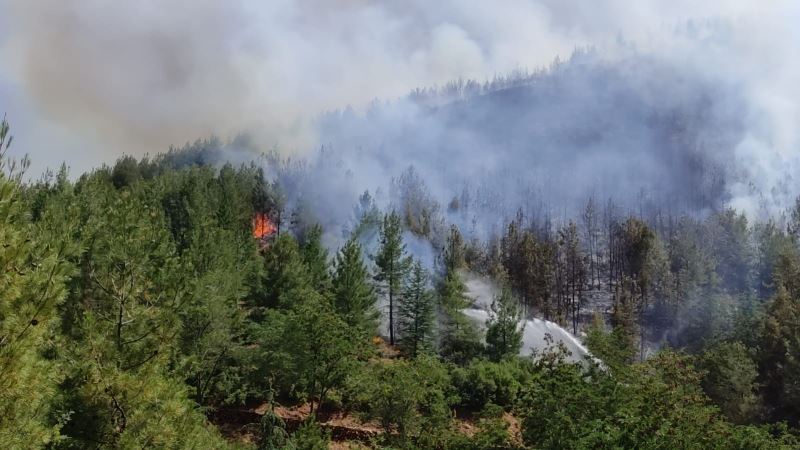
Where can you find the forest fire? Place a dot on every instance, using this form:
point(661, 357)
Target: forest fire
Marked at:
point(263, 226)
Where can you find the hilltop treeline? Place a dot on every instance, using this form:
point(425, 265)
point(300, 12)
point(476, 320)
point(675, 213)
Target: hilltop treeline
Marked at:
point(136, 306)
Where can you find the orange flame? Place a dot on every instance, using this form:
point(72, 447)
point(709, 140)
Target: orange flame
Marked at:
point(263, 227)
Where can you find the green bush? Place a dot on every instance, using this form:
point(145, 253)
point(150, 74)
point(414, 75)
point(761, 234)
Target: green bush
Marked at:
point(655, 404)
point(483, 382)
point(411, 399)
point(310, 436)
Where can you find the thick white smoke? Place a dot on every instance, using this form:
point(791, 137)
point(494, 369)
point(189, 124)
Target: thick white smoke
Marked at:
point(98, 79)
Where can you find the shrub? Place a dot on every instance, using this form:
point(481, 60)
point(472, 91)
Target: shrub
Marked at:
point(482, 382)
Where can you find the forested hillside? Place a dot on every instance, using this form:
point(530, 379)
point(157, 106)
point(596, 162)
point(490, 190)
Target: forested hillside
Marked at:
point(656, 138)
point(181, 302)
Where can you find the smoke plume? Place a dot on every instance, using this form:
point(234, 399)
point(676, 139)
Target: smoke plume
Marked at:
point(669, 94)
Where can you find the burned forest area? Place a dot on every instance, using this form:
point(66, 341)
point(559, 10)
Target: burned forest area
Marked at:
point(601, 252)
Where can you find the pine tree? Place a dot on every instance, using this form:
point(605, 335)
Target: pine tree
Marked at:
point(415, 312)
point(780, 354)
point(32, 286)
point(503, 331)
point(315, 257)
point(286, 273)
point(513, 258)
point(591, 235)
point(730, 379)
point(219, 257)
point(460, 339)
point(393, 264)
point(268, 198)
point(730, 239)
point(623, 317)
point(793, 227)
point(574, 272)
point(643, 265)
point(125, 311)
point(530, 264)
point(614, 348)
point(368, 216)
point(353, 296)
point(454, 251)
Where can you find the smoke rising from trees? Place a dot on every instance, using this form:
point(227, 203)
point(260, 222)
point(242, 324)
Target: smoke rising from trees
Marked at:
point(99, 80)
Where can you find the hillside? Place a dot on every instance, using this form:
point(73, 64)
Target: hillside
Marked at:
point(144, 304)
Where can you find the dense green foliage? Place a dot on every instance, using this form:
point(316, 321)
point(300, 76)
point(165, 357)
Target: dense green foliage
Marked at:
point(657, 404)
point(503, 332)
point(136, 308)
point(32, 285)
point(353, 295)
point(459, 339)
point(415, 313)
point(393, 264)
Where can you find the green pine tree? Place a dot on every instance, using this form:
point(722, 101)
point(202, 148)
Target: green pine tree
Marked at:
point(124, 316)
point(393, 264)
point(503, 331)
point(315, 257)
point(780, 353)
point(460, 338)
point(353, 296)
point(32, 286)
point(454, 252)
point(285, 273)
point(415, 313)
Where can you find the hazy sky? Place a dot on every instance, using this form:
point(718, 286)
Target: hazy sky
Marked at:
point(87, 81)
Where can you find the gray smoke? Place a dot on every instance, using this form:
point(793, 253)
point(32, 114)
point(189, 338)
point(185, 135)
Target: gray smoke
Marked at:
point(684, 105)
point(647, 133)
point(88, 81)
